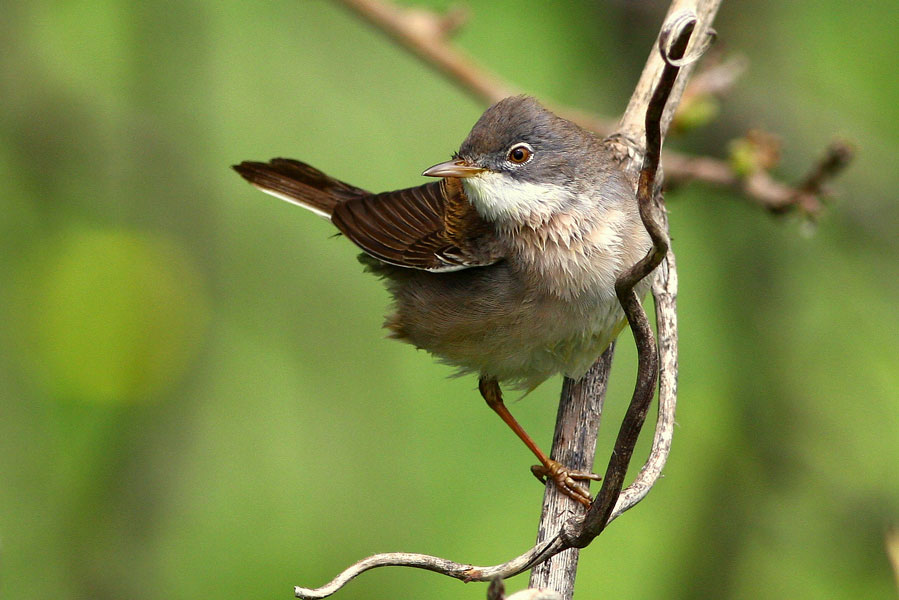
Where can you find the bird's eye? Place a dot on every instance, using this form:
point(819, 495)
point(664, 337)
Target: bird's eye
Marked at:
point(520, 154)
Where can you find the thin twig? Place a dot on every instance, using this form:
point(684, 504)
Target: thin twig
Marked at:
point(465, 572)
point(814, 186)
point(760, 187)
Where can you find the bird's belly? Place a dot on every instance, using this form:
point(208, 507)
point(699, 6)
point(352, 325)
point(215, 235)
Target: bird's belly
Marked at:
point(542, 342)
point(486, 322)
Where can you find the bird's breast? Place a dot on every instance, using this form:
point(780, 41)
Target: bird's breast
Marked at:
point(577, 257)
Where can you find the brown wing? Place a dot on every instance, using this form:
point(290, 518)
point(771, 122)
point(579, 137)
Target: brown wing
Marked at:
point(298, 183)
point(431, 227)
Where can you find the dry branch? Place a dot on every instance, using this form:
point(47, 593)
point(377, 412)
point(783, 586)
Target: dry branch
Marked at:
point(760, 187)
point(574, 445)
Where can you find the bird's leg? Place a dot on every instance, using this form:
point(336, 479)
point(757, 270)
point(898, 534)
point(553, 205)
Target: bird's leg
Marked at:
point(548, 468)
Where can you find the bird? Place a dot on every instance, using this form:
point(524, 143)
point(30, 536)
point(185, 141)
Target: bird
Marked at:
point(504, 267)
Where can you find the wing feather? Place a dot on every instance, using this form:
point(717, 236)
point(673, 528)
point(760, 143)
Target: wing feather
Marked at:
point(431, 227)
point(414, 227)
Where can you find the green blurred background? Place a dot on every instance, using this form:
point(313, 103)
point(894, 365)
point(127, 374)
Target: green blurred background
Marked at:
point(197, 398)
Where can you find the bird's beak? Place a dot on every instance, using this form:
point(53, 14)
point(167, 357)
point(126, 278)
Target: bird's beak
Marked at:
point(454, 168)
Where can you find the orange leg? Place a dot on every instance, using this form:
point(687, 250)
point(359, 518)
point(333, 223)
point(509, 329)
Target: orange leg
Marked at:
point(548, 468)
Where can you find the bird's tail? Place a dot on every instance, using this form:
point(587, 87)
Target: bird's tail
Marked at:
point(299, 184)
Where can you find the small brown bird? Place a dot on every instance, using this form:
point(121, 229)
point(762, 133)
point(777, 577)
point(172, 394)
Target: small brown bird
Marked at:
point(506, 267)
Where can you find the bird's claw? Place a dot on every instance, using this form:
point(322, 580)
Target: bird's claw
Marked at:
point(566, 480)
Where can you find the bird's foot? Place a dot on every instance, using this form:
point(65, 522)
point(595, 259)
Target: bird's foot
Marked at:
point(565, 480)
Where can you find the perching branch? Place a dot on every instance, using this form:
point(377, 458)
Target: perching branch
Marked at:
point(427, 34)
point(574, 445)
point(646, 109)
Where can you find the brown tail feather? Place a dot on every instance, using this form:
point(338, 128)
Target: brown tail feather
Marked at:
point(297, 182)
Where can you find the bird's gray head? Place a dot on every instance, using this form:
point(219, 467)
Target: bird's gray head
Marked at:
point(518, 137)
point(521, 163)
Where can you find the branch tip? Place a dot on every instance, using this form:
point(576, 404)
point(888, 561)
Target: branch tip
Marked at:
point(678, 28)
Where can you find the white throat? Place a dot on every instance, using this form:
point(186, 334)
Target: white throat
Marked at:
point(501, 199)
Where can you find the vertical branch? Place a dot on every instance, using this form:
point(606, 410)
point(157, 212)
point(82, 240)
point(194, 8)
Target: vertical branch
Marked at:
point(574, 445)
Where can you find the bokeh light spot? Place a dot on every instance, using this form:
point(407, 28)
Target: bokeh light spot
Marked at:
point(111, 315)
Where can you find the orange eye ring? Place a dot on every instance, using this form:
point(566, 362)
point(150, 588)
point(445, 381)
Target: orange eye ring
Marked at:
point(520, 154)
